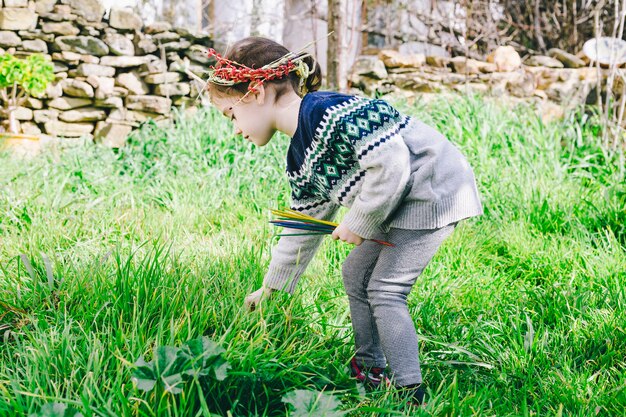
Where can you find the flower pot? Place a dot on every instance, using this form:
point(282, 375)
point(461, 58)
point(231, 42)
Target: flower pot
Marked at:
point(20, 144)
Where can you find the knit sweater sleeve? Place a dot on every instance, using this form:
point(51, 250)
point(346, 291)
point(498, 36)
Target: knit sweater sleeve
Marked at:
point(292, 254)
point(385, 157)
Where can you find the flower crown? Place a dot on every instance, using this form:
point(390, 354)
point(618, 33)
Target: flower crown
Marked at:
point(227, 72)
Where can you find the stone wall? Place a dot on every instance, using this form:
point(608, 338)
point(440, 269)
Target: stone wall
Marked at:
point(558, 81)
point(112, 72)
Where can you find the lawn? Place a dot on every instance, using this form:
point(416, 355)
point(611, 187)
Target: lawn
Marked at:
point(109, 260)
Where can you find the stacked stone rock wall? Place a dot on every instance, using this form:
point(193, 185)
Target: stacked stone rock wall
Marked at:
point(559, 80)
point(111, 73)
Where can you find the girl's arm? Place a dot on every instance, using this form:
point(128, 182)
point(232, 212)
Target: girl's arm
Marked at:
point(292, 254)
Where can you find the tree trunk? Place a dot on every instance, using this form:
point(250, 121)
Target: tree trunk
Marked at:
point(14, 126)
point(334, 53)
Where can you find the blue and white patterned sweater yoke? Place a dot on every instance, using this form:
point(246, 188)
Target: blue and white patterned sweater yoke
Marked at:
point(389, 169)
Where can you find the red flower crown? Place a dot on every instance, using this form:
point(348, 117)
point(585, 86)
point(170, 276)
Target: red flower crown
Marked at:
point(227, 72)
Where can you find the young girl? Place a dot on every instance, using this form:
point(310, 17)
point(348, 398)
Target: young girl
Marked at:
point(402, 181)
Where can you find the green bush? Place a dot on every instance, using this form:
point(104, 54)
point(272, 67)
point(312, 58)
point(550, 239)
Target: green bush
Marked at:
point(20, 78)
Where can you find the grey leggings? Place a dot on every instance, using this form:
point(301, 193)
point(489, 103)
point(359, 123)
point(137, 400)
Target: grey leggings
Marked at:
point(378, 280)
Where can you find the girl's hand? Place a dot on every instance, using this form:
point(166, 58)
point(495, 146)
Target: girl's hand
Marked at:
point(255, 298)
point(343, 233)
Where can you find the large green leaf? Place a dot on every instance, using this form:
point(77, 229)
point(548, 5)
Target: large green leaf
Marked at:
point(173, 367)
point(144, 375)
point(312, 403)
point(56, 410)
point(205, 358)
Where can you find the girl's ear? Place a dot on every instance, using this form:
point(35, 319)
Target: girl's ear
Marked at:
point(259, 95)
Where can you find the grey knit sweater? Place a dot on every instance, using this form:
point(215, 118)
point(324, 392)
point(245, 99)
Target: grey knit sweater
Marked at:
point(389, 169)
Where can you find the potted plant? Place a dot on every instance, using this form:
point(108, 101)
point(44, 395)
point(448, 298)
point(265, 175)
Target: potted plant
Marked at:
point(19, 79)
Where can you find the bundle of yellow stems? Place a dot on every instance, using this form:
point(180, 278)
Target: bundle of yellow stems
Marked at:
point(309, 225)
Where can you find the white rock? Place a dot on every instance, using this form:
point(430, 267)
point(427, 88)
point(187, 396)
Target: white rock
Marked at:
point(370, 67)
point(161, 78)
point(73, 130)
point(53, 90)
point(33, 103)
point(112, 134)
point(176, 89)
point(87, 45)
point(149, 103)
point(77, 88)
point(138, 116)
point(36, 45)
point(110, 103)
point(85, 70)
point(133, 83)
point(394, 59)
point(119, 44)
point(29, 128)
point(85, 114)
point(125, 19)
point(15, 3)
point(44, 6)
point(105, 88)
point(43, 116)
point(60, 28)
point(506, 58)
point(157, 27)
point(68, 103)
point(90, 10)
point(23, 113)
point(9, 39)
point(124, 61)
point(13, 18)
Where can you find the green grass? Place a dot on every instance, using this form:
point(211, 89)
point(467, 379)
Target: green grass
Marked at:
point(521, 312)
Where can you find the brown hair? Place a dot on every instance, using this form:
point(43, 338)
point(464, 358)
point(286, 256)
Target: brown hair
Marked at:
point(255, 52)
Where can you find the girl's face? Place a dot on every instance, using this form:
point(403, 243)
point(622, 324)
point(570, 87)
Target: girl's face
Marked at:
point(253, 117)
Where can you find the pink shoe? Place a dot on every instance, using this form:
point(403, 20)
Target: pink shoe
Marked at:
point(371, 378)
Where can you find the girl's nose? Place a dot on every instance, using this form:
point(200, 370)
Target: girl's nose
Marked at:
point(238, 131)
